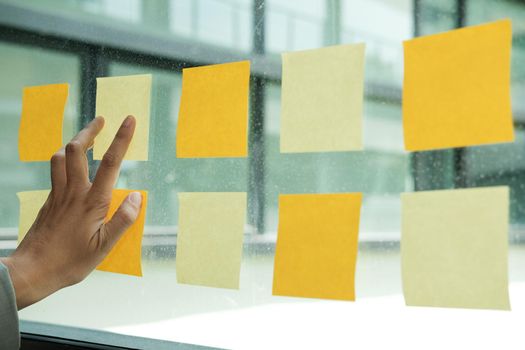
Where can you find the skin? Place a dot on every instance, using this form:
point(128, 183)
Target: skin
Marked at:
point(69, 237)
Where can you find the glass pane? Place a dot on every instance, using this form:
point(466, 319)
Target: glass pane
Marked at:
point(299, 25)
point(155, 306)
point(371, 22)
point(22, 66)
point(381, 172)
point(437, 16)
point(294, 25)
point(501, 164)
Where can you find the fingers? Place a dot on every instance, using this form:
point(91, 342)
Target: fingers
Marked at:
point(76, 161)
point(123, 218)
point(58, 171)
point(108, 171)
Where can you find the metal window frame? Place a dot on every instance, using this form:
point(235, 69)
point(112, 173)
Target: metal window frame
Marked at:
point(42, 336)
point(421, 162)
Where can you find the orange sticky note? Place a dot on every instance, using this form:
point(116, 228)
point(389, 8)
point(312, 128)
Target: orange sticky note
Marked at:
point(213, 115)
point(125, 257)
point(316, 249)
point(40, 133)
point(457, 88)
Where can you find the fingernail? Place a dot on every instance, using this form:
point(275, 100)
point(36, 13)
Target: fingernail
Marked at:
point(135, 198)
point(127, 121)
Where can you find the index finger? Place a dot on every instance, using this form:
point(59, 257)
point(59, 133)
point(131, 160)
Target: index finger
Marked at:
point(109, 169)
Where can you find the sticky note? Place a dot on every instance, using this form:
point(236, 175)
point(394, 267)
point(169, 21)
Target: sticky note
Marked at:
point(118, 97)
point(322, 99)
point(316, 250)
point(457, 88)
point(210, 237)
point(40, 133)
point(30, 204)
point(454, 248)
point(125, 257)
point(213, 115)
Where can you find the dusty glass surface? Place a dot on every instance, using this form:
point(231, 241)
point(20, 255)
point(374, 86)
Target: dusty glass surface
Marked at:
point(22, 66)
point(155, 306)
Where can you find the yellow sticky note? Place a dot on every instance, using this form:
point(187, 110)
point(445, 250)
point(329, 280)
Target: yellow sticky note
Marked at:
point(40, 133)
point(457, 88)
point(316, 251)
point(125, 257)
point(322, 99)
point(454, 248)
point(213, 115)
point(30, 204)
point(118, 97)
point(209, 241)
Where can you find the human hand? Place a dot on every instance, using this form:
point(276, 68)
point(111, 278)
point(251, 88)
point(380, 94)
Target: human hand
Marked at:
point(69, 237)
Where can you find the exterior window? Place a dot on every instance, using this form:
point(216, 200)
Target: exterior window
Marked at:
point(56, 44)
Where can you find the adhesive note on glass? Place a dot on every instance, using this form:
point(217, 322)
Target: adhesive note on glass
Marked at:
point(118, 97)
point(322, 99)
point(454, 248)
point(316, 251)
point(209, 241)
point(30, 204)
point(213, 116)
point(125, 257)
point(457, 88)
point(40, 133)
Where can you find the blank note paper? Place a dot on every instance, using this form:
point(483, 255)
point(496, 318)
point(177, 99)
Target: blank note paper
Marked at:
point(40, 133)
point(322, 99)
point(118, 97)
point(30, 204)
point(209, 241)
point(125, 257)
point(454, 248)
point(213, 116)
point(457, 88)
point(315, 255)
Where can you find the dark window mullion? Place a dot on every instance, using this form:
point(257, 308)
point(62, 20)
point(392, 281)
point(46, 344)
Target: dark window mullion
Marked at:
point(256, 162)
point(93, 65)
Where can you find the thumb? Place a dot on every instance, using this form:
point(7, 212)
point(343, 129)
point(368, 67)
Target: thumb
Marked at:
point(123, 218)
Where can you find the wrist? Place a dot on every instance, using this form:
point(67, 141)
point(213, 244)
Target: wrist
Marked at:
point(28, 285)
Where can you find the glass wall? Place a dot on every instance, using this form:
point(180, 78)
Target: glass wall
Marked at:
point(155, 306)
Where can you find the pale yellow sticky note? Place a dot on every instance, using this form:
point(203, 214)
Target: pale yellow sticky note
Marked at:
point(118, 97)
point(456, 91)
point(213, 116)
point(40, 133)
point(126, 255)
point(316, 251)
point(210, 238)
point(322, 99)
point(454, 248)
point(30, 204)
